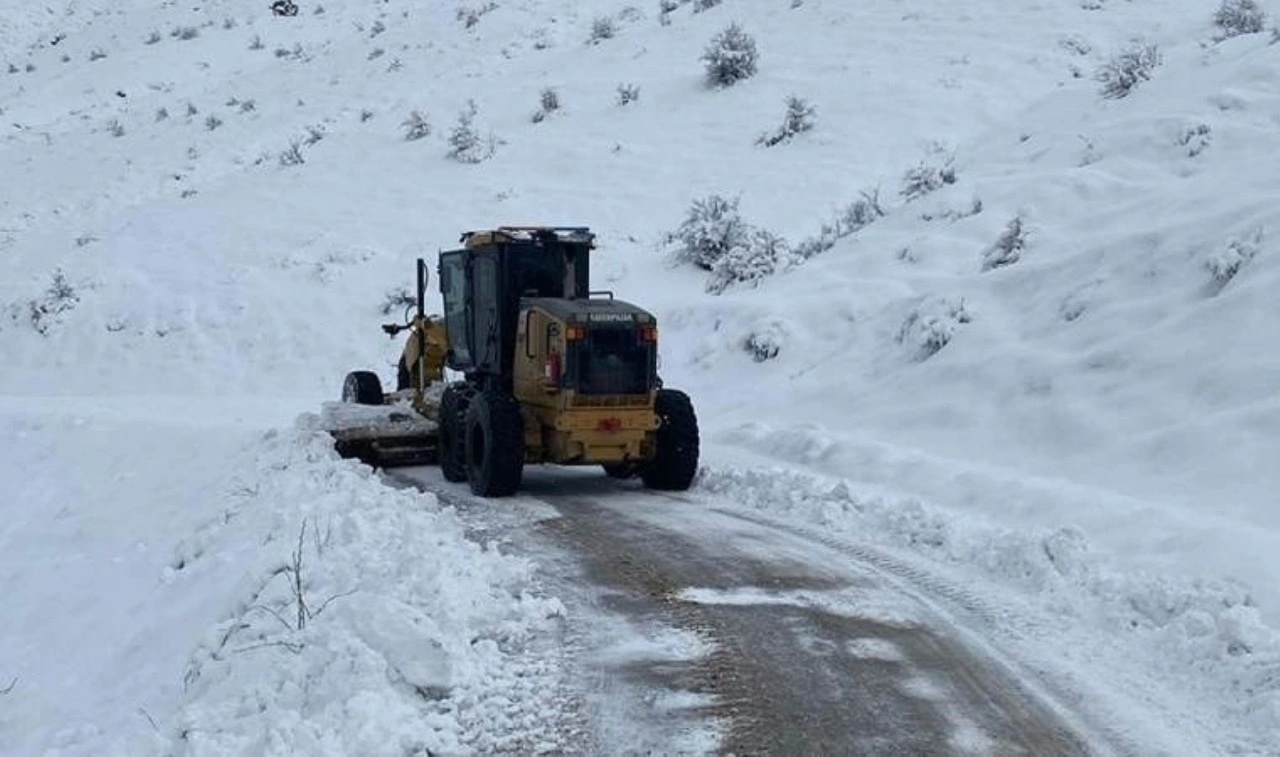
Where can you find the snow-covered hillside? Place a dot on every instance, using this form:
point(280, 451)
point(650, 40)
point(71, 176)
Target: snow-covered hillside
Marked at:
point(1080, 413)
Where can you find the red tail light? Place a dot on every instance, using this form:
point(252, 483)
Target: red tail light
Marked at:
point(648, 333)
point(553, 368)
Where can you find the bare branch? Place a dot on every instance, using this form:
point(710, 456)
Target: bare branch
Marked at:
point(143, 711)
point(330, 599)
point(292, 646)
point(9, 688)
point(301, 600)
point(273, 612)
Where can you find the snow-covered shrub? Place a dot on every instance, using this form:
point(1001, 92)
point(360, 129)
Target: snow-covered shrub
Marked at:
point(315, 133)
point(212, 122)
point(764, 254)
point(1224, 264)
point(59, 298)
point(628, 93)
point(97, 53)
point(1236, 17)
point(924, 178)
point(416, 126)
point(256, 43)
point(377, 28)
point(548, 103)
point(798, 119)
point(765, 342)
point(375, 53)
point(185, 33)
point(365, 115)
point(549, 99)
point(248, 106)
point(466, 143)
point(192, 110)
point(152, 38)
point(856, 215)
point(931, 325)
point(1008, 247)
point(702, 5)
point(1195, 139)
point(602, 28)
point(1126, 70)
point(229, 23)
point(730, 57)
point(712, 229)
point(292, 156)
point(115, 128)
point(162, 114)
point(396, 300)
point(285, 8)
point(470, 16)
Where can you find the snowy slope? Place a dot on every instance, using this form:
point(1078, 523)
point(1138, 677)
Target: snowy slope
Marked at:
point(1105, 386)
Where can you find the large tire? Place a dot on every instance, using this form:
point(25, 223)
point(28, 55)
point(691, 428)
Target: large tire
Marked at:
point(676, 460)
point(495, 444)
point(362, 388)
point(453, 435)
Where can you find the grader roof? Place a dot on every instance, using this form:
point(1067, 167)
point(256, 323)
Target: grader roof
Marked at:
point(563, 234)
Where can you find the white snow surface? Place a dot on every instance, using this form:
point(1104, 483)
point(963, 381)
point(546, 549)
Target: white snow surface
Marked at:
point(1088, 434)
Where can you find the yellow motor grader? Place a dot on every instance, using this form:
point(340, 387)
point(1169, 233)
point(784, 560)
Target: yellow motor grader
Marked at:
point(551, 373)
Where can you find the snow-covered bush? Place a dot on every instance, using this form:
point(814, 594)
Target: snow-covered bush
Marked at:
point(1236, 17)
point(416, 126)
point(798, 119)
point(466, 143)
point(765, 342)
point(1008, 247)
point(185, 33)
point(602, 28)
point(1224, 264)
point(256, 43)
point(212, 122)
point(470, 16)
point(730, 57)
point(702, 5)
point(162, 114)
point(315, 133)
point(628, 93)
point(1195, 139)
point(152, 38)
point(396, 300)
point(856, 215)
point(764, 254)
point(925, 178)
point(548, 103)
point(1126, 70)
point(931, 325)
point(292, 156)
point(97, 53)
point(115, 128)
point(712, 229)
point(46, 311)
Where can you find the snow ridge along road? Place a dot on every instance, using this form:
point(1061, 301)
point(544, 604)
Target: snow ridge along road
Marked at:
point(804, 644)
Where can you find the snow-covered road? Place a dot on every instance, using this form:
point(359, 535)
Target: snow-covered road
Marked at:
point(701, 627)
